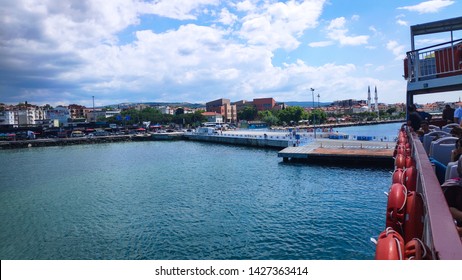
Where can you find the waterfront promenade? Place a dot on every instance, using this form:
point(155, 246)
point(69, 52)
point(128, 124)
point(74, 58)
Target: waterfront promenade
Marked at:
point(293, 145)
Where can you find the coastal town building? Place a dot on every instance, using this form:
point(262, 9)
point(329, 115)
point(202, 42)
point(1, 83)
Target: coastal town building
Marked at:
point(7, 118)
point(27, 114)
point(166, 110)
point(241, 104)
point(263, 104)
point(95, 115)
point(213, 117)
point(223, 107)
point(76, 111)
point(59, 116)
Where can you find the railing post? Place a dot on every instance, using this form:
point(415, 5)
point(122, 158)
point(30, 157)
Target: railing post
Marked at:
point(416, 66)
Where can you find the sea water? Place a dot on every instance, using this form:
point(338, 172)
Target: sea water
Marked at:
point(184, 200)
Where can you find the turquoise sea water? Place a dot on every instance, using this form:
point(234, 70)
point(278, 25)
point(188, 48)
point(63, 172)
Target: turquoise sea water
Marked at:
point(184, 200)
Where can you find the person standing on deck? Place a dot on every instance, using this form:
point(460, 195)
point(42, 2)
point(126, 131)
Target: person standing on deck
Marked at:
point(448, 114)
point(413, 118)
point(458, 115)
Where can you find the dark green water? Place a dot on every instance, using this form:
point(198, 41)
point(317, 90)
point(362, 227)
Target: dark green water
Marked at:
point(184, 200)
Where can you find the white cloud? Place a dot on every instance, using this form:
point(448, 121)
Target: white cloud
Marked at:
point(67, 51)
point(226, 17)
point(279, 25)
point(177, 9)
point(402, 22)
point(338, 32)
point(397, 49)
point(245, 6)
point(321, 44)
point(431, 6)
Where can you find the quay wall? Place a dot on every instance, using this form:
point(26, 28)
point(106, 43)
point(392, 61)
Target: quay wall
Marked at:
point(62, 141)
point(245, 141)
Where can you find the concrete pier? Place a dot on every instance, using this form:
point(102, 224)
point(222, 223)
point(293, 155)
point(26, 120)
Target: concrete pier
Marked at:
point(243, 139)
point(341, 151)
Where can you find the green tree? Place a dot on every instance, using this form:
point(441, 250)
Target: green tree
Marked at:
point(248, 113)
point(194, 119)
point(292, 114)
point(268, 117)
point(319, 116)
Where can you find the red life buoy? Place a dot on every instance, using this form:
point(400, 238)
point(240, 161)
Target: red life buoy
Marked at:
point(409, 161)
point(415, 249)
point(396, 207)
point(390, 246)
point(414, 217)
point(400, 161)
point(402, 139)
point(398, 176)
point(410, 178)
point(395, 152)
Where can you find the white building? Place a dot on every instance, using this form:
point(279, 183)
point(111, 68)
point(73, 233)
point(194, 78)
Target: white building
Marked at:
point(93, 116)
point(166, 110)
point(7, 118)
point(28, 115)
point(61, 114)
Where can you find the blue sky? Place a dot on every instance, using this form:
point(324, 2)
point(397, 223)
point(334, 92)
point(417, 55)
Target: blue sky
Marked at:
point(67, 51)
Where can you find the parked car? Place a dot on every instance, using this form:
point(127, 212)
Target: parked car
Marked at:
point(77, 133)
point(100, 133)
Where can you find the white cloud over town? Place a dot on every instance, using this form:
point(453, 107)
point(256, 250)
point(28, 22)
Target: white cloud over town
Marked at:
point(194, 51)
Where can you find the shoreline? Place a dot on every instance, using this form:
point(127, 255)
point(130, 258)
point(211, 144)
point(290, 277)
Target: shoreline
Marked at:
point(275, 138)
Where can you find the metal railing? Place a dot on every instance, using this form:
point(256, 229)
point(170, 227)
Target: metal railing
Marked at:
point(434, 61)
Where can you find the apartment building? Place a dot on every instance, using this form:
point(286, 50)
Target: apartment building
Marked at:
point(223, 107)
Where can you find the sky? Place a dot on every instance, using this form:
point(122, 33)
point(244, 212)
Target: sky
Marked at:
point(76, 51)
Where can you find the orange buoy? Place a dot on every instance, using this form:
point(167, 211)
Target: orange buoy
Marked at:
point(396, 206)
point(398, 176)
point(400, 161)
point(414, 217)
point(415, 249)
point(390, 246)
point(410, 178)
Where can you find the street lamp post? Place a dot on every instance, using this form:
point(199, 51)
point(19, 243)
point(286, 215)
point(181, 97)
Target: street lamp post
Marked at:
point(93, 113)
point(314, 116)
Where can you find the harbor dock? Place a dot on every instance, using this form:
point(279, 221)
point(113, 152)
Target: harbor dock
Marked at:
point(341, 151)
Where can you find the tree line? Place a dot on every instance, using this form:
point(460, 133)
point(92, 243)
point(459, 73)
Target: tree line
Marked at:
point(288, 116)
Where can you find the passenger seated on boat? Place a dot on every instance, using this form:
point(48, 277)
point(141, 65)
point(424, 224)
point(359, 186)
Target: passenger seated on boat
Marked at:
point(424, 129)
point(452, 189)
point(455, 155)
point(456, 131)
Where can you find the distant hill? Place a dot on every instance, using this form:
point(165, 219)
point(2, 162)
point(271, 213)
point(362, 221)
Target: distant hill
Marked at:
point(173, 104)
point(176, 104)
point(199, 105)
point(307, 103)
